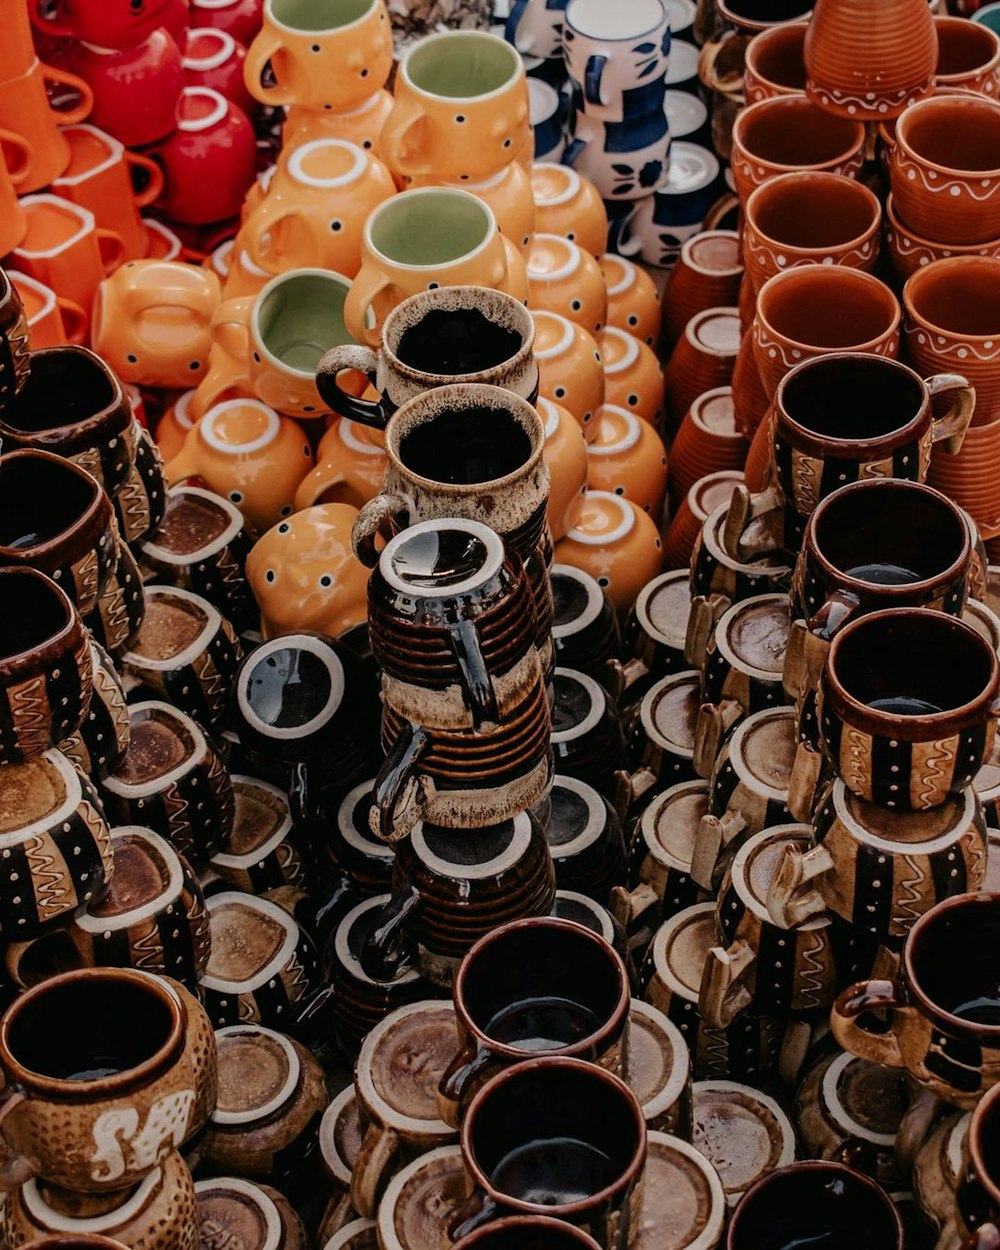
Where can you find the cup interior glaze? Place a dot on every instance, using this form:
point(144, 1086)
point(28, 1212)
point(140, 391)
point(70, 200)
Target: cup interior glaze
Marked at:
point(791, 131)
point(831, 307)
point(812, 1203)
point(66, 386)
point(299, 316)
point(950, 963)
point(43, 612)
point(429, 227)
point(852, 400)
point(960, 134)
point(318, 15)
point(42, 499)
point(963, 47)
point(472, 66)
point(69, 1032)
point(886, 522)
point(957, 297)
point(777, 56)
point(887, 663)
point(509, 317)
point(813, 211)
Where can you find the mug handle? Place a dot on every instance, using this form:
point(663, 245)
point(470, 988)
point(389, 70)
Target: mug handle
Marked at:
point(476, 680)
point(789, 902)
point(744, 509)
point(950, 429)
point(464, 1070)
point(263, 49)
point(845, 1021)
point(403, 140)
point(715, 834)
point(384, 951)
point(592, 75)
point(365, 290)
point(724, 994)
point(622, 677)
point(138, 302)
point(714, 721)
point(231, 327)
point(379, 1147)
point(74, 321)
point(372, 412)
point(478, 1209)
point(70, 117)
point(807, 769)
point(112, 248)
point(15, 1168)
point(706, 612)
point(372, 521)
point(156, 180)
point(809, 642)
point(397, 796)
point(573, 151)
point(19, 169)
point(259, 236)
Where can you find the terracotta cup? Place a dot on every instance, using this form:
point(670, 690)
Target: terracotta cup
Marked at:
point(816, 310)
point(945, 169)
point(810, 218)
point(707, 275)
point(436, 338)
point(790, 133)
point(527, 1232)
point(941, 1013)
point(969, 478)
point(593, 1108)
point(97, 1107)
point(952, 314)
point(707, 441)
point(703, 359)
point(968, 57)
point(775, 62)
point(503, 1019)
point(815, 1199)
point(909, 251)
point(908, 739)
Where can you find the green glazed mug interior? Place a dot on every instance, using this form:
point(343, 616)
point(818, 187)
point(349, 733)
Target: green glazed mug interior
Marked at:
point(462, 66)
point(433, 227)
point(319, 15)
point(300, 316)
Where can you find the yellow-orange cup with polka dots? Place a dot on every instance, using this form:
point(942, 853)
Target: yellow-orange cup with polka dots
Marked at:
point(633, 300)
point(570, 368)
point(564, 279)
point(628, 458)
point(616, 543)
point(633, 378)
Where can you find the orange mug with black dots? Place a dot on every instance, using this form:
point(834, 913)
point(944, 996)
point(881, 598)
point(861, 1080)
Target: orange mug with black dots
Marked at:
point(570, 368)
point(152, 322)
point(616, 543)
point(633, 300)
point(323, 55)
point(508, 194)
point(628, 458)
point(361, 125)
point(566, 203)
point(565, 453)
point(461, 108)
point(564, 279)
point(633, 378)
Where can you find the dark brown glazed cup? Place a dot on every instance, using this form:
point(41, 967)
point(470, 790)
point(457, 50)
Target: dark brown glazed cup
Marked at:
point(585, 626)
point(880, 543)
point(908, 755)
point(519, 1232)
point(530, 960)
point(814, 1199)
point(979, 1192)
point(142, 499)
point(587, 738)
point(15, 358)
point(948, 962)
point(551, 1099)
point(56, 518)
point(46, 675)
point(72, 404)
point(120, 609)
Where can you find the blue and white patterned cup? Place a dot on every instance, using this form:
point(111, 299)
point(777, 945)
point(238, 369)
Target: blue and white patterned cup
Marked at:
point(612, 49)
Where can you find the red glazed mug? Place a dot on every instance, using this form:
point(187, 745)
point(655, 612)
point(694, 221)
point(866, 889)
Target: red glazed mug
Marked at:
point(106, 23)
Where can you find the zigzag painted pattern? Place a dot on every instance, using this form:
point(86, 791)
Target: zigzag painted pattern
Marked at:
point(31, 715)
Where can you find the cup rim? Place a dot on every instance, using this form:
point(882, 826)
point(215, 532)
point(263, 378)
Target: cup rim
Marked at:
point(330, 275)
point(838, 273)
point(926, 921)
point(554, 1063)
point(750, 23)
point(298, 30)
point(517, 67)
point(491, 231)
point(887, 724)
point(865, 486)
point(570, 1232)
point(105, 1087)
point(983, 1175)
point(94, 519)
point(78, 434)
point(787, 102)
point(935, 103)
point(766, 35)
point(959, 23)
point(825, 178)
point(919, 277)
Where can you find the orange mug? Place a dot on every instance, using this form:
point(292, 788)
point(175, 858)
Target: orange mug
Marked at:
point(462, 107)
point(26, 110)
point(361, 125)
point(100, 176)
point(152, 322)
point(314, 211)
point(349, 468)
point(52, 320)
point(507, 192)
point(17, 49)
point(420, 240)
point(162, 243)
point(66, 249)
point(13, 224)
point(320, 60)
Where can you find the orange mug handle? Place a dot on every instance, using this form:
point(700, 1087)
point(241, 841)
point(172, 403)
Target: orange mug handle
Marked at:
point(70, 117)
point(404, 139)
point(263, 49)
point(231, 327)
point(112, 248)
point(74, 321)
point(154, 187)
point(360, 302)
point(19, 169)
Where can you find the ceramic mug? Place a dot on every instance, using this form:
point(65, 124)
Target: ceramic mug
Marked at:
point(321, 58)
point(625, 160)
point(26, 111)
point(52, 320)
point(116, 25)
point(569, 205)
point(564, 991)
point(436, 338)
point(461, 107)
point(97, 1109)
point(349, 468)
point(510, 1150)
point(611, 57)
point(420, 240)
point(941, 1016)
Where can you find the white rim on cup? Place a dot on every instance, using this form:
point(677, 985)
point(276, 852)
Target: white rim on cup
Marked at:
point(622, 530)
point(571, 189)
point(115, 152)
point(491, 565)
point(272, 428)
point(261, 1201)
point(278, 961)
point(326, 656)
point(85, 217)
point(359, 163)
point(566, 269)
point(220, 107)
point(288, 1086)
point(226, 47)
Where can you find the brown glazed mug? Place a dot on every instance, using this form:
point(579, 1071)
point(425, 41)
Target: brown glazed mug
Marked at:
point(880, 543)
point(73, 405)
point(462, 451)
point(943, 1019)
point(451, 335)
point(14, 365)
point(103, 736)
point(978, 1197)
point(535, 987)
point(56, 518)
point(558, 1137)
point(527, 1232)
point(907, 706)
point(813, 1203)
point(94, 1105)
point(46, 674)
point(840, 418)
